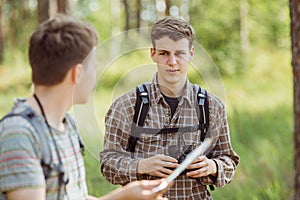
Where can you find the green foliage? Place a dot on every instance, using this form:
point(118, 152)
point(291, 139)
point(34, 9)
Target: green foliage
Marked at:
point(217, 27)
point(97, 13)
point(97, 184)
point(20, 21)
point(217, 30)
point(269, 23)
point(258, 97)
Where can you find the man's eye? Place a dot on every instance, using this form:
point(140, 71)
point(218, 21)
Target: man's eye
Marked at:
point(162, 53)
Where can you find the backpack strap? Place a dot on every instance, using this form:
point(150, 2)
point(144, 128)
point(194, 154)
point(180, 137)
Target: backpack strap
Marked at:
point(46, 155)
point(203, 114)
point(141, 109)
point(142, 105)
point(202, 110)
point(71, 121)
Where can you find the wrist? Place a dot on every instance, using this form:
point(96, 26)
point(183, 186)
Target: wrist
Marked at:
point(215, 167)
point(140, 167)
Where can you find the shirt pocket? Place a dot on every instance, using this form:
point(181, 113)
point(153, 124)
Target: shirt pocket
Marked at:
point(190, 138)
point(149, 145)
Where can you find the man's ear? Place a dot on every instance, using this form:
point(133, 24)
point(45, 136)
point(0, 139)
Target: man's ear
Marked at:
point(192, 51)
point(75, 73)
point(152, 54)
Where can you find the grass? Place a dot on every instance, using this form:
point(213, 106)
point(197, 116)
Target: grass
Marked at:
point(260, 114)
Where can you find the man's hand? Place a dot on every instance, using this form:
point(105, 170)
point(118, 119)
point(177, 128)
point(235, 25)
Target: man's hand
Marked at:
point(27, 194)
point(202, 166)
point(157, 165)
point(141, 190)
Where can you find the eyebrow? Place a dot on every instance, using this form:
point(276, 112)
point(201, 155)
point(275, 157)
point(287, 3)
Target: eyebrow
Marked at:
point(164, 50)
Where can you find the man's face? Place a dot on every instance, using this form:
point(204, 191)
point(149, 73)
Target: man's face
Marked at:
point(172, 59)
point(87, 79)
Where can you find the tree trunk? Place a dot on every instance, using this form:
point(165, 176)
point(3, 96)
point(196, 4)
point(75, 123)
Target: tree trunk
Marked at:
point(244, 33)
point(63, 6)
point(168, 6)
point(43, 10)
point(127, 13)
point(295, 35)
point(138, 13)
point(2, 3)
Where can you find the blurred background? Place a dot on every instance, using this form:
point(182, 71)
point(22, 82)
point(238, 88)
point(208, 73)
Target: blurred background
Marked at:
point(245, 44)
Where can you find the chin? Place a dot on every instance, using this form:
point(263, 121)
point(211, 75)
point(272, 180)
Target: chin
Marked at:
point(80, 101)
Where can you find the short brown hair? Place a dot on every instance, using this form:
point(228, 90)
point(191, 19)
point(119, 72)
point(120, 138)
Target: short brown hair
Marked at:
point(175, 28)
point(57, 45)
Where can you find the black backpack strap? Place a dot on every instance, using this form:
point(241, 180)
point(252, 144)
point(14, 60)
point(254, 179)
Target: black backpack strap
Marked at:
point(142, 105)
point(46, 155)
point(202, 110)
point(71, 121)
point(203, 114)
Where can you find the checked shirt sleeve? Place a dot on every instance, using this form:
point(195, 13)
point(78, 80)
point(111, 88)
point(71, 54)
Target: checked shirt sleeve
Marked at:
point(116, 164)
point(223, 153)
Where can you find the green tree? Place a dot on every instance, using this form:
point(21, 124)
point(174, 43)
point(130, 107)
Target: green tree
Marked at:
point(295, 35)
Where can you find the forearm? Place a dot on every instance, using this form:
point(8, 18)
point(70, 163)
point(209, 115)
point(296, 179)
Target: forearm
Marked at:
point(226, 168)
point(27, 194)
point(116, 195)
point(118, 168)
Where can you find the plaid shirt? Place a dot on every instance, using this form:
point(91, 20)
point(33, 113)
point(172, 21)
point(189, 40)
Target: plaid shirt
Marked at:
point(119, 167)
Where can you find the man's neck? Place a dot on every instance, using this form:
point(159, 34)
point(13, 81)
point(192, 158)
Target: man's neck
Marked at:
point(172, 90)
point(55, 101)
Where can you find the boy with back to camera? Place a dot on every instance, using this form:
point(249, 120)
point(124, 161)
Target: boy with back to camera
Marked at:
point(40, 148)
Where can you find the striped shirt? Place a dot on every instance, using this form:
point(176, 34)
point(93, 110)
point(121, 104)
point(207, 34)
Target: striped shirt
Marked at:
point(20, 158)
point(119, 167)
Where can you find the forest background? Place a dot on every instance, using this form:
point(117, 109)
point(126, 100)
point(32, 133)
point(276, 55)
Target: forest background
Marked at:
point(245, 45)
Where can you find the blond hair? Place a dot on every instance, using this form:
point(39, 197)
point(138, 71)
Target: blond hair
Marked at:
point(174, 28)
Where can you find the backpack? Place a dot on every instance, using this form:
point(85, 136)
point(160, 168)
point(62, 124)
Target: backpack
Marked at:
point(46, 154)
point(142, 107)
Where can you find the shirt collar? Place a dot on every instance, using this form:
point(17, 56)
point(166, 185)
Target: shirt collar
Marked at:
point(156, 95)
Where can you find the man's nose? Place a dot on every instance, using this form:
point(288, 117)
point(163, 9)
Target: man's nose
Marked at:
point(172, 59)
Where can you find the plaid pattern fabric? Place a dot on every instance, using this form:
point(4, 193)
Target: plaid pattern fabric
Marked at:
point(119, 167)
point(20, 159)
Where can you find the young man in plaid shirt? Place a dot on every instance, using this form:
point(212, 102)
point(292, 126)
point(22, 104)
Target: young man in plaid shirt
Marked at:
point(172, 105)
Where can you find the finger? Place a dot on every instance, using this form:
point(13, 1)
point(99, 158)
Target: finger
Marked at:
point(169, 159)
point(198, 173)
point(170, 165)
point(199, 159)
point(198, 165)
point(151, 183)
point(160, 174)
point(161, 198)
point(166, 171)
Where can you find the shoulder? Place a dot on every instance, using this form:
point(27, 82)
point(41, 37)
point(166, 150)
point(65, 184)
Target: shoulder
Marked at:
point(215, 103)
point(125, 101)
point(19, 155)
point(18, 132)
point(15, 124)
point(18, 119)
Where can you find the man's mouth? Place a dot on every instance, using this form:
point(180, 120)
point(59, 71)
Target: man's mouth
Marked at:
point(172, 70)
